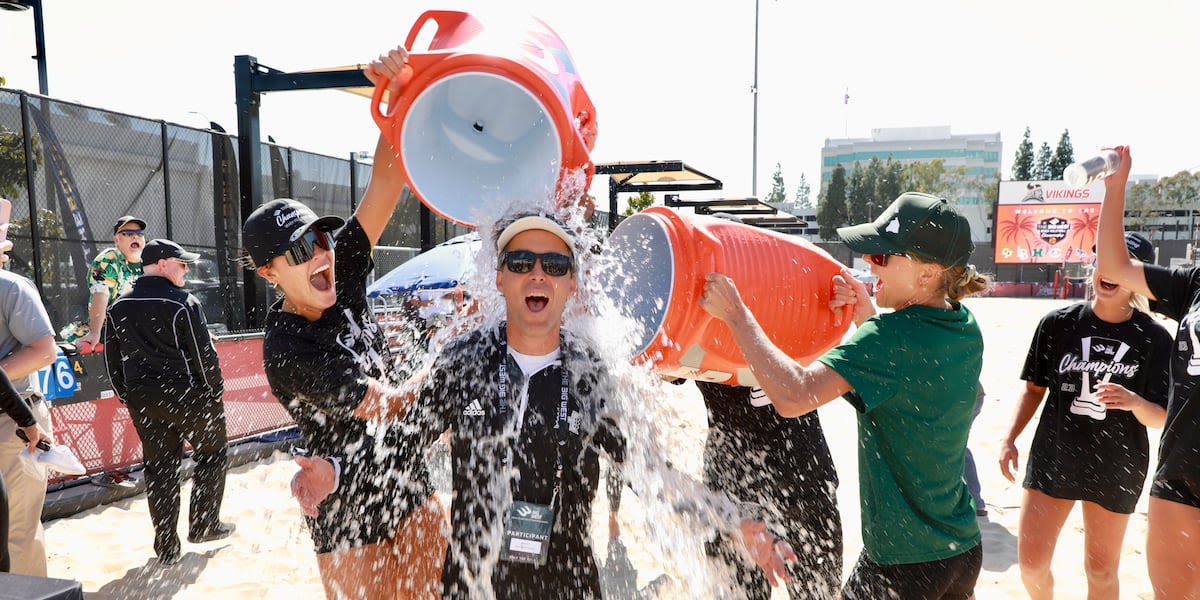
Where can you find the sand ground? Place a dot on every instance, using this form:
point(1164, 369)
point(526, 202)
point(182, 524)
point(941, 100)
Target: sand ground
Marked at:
point(109, 549)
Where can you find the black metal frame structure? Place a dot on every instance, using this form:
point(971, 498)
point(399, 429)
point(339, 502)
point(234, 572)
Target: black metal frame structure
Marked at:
point(678, 176)
point(251, 80)
point(652, 176)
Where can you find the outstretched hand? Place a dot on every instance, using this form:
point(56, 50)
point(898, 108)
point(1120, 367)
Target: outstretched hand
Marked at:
point(769, 553)
point(312, 483)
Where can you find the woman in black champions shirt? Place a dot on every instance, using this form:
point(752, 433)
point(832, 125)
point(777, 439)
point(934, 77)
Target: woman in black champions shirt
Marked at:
point(1102, 368)
point(1173, 518)
point(379, 534)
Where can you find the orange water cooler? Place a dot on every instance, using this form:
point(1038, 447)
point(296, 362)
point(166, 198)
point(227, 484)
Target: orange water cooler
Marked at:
point(664, 257)
point(488, 114)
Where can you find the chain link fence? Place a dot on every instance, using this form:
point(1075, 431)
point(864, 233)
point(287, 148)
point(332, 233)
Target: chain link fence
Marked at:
point(79, 169)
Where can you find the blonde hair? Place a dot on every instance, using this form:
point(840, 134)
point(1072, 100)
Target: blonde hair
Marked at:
point(958, 282)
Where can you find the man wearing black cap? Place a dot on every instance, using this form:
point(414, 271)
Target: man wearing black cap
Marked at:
point(112, 273)
point(163, 365)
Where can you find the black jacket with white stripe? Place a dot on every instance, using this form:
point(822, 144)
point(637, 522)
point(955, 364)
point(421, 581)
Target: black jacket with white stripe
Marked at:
point(156, 342)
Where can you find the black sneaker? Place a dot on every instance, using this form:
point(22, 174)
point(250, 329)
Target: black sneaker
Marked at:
point(170, 559)
point(114, 480)
point(221, 531)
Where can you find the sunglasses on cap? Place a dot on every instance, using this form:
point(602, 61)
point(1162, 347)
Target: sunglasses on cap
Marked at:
point(522, 261)
point(303, 249)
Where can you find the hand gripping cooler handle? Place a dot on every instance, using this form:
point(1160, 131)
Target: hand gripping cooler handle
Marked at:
point(454, 28)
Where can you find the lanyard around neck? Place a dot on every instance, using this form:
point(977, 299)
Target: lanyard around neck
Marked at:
point(560, 417)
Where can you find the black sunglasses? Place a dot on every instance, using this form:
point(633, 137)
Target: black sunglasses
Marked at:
point(880, 260)
point(522, 261)
point(132, 232)
point(302, 250)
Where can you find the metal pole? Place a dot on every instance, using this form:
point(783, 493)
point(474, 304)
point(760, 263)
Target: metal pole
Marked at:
point(754, 93)
point(39, 36)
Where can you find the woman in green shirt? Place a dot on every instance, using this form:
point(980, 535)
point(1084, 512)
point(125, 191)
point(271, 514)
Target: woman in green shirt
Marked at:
point(912, 375)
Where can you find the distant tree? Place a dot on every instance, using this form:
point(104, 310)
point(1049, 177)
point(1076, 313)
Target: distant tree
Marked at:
point(12, 161)
point(638, 203)
point(1063, 156)
point(929, 177)
point(778, 193)
point(1023, 161)
point(890, 184)
point(1178, 191)
point(858, 193)
point(1041, 170)
point(831, 210)
point(803, 192)
point(53, 254)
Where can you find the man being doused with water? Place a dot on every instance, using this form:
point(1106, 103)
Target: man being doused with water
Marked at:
point(520, 397)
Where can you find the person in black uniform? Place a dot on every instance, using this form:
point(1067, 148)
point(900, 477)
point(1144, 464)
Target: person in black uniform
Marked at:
point(163, 365)
point(784, 466)
point(379, 534)
point(527, 426)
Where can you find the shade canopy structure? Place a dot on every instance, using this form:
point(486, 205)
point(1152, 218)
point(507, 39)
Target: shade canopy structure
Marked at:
point(445, 266)
point(652, 176)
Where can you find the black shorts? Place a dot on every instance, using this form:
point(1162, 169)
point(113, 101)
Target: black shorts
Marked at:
point(1177, 490)
point(946, 579)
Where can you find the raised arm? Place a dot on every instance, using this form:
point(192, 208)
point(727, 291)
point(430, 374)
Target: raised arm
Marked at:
point(794, 388)
point(1112, 257)
point(383, 191)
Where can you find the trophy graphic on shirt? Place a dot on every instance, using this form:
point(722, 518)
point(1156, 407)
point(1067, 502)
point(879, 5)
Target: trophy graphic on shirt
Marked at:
point(1189, 322)
point(1097, 349)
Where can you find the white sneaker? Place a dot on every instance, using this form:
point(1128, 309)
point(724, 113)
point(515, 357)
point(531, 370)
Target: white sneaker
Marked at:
point(61, 459)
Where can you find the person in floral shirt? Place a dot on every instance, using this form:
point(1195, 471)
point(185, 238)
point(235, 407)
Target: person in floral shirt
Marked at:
point(112, 273)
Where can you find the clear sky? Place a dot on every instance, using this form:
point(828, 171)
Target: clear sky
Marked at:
point(671, 79)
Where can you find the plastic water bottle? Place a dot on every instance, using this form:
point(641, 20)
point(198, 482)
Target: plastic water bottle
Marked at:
point(1095, 168)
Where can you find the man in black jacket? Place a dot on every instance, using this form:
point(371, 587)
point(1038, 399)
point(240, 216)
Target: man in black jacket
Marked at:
point(163, 365)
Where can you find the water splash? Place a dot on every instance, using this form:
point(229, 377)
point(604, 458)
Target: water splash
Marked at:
point(680, 514)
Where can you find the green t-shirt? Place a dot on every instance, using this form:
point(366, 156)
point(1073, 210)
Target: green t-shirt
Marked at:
point(914, 374)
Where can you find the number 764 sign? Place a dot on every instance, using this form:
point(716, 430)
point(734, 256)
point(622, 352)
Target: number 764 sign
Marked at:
point(58, 379)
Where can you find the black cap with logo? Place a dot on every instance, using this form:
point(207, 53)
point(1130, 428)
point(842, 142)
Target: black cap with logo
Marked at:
point(919, 224)
point(273, 227)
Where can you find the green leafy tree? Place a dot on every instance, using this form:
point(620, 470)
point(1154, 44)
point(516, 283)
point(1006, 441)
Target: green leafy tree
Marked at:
point(638, 203)
point(1178, 191)
point(889, 186)
point(1023, 161)
point(12, 161)
point(831, 209)
point(857, 195)
point(1041, 169)
point(930, 177)
point(1063, 156)
point(778, 193)
point(50, 228)
point(803, 195)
